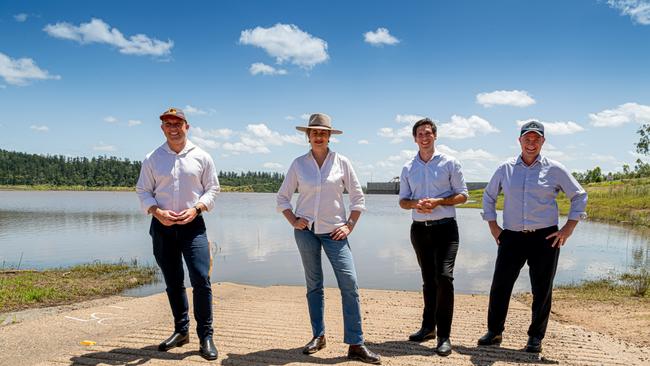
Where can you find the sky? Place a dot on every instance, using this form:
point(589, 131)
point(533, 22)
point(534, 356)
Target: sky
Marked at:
point(89, 78)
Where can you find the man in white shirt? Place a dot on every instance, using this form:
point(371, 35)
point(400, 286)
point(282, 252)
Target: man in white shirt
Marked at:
point(177, 182)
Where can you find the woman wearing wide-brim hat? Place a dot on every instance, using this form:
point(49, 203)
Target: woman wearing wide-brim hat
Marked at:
point(320, 225)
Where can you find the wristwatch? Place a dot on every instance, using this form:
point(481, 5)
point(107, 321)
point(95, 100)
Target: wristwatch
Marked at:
point(198, 209)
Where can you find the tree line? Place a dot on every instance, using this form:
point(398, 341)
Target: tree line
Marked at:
point(17, 168)
point(641, 169)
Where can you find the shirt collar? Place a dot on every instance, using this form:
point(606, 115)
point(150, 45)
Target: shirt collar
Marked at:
point(436, 154)
point(329, 153)
point(520, 161)
point(188, 146)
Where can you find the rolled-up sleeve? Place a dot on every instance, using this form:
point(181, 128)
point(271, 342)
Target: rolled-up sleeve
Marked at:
point(490, 195)
point(458, 181)
point(352, 184)
point(405, 192)
point(575, 193)
point(210, 182)
point(144, 188)
point(288, 187)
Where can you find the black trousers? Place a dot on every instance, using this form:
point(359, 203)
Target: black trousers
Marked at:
point(515, 250)
point(436, 247)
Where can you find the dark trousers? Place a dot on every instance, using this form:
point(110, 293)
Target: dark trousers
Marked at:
point(170, 245)
point(515, 249)
point(436, 247)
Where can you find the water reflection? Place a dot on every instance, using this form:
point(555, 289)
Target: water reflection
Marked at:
point(254, 244)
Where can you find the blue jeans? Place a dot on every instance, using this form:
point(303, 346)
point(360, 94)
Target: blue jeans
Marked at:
point(170, 245)
point(340, 257)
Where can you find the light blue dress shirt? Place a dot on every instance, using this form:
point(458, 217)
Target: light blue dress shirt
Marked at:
point(530, 194)
point(439, 177)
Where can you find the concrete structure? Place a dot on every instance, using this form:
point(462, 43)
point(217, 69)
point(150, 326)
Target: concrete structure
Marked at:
point(392, 187)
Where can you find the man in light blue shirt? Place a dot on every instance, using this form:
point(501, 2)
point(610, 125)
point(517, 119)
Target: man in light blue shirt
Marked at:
point(430, 185)
point(530, 184)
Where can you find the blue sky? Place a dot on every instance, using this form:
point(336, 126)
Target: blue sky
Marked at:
point(81, 78)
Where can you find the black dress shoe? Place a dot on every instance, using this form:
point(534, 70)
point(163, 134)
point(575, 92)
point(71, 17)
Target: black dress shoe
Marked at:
point(534, 345)
point(444, 347)
point(423, 334)
point(176, 340)
point(208, 350)
point(315, 345)
point(361, 353)
point(490, 338)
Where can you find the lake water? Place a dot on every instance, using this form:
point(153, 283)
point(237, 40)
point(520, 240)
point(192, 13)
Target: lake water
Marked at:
point(253, 244)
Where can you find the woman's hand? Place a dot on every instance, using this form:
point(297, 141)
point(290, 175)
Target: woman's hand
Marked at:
point(300, 224)
point(341, 232)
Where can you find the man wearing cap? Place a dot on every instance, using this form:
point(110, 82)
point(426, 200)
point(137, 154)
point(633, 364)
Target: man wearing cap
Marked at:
point(178, 182)
point(530, 184)
point(430, 185)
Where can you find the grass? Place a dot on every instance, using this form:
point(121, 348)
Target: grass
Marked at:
point(31, 289)
point(623, 202)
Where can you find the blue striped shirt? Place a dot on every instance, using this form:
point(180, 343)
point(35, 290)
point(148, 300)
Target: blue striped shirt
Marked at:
point(440, 177)
point(530, 194)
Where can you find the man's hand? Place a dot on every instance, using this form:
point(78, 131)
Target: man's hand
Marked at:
point(426, 205)
point(186, 216)
point(495, 230)
point(563, 234)
point(341, 232)
point(166, 217)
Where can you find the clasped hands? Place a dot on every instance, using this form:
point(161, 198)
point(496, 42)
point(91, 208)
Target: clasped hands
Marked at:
point(169, 217)
point(426, 205)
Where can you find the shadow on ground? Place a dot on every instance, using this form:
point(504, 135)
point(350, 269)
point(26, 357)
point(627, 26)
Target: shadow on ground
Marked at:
point(129, 356)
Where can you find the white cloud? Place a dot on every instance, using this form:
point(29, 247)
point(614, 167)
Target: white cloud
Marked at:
point(194, 111)
point(397, 160)
point(287, 43)
point(290, 118)
point(380, 37)
point(274, 138)
point(246, 145)
point(461, 127)
point(624, 113)
point(22, 70)
point(134, 122)
point(638, 10)
point(39, 128)
point(515, 98)
point(110, 119)
point(305, 116)
point(97, 31)
point(408, 118)
point(205, 143)
point(21, 17)
point(555, 128)
point(363, 142)
point(219, 133)
point(104, 147)
point(469, 154)
point(255, 140)
point(264, 69)
point(396, 135)
point(270, 165)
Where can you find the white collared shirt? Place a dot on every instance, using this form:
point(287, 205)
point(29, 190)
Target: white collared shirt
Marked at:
point(177, 182)
point(320, 191)
point(439, 177)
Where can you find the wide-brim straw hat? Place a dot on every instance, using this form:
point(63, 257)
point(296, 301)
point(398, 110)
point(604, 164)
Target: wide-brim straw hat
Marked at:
point(319, 121)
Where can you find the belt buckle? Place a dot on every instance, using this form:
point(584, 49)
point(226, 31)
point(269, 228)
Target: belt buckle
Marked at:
point(428, 223)
point(528, 231)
